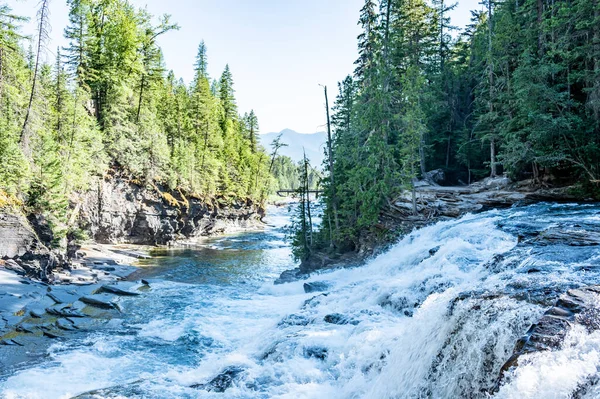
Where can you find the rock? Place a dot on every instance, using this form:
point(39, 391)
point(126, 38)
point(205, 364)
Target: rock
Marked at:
point(495, 182)
point(117, 291)
point(316, 352)
point(129, 390)
point(577, 238)
point(16, 236)
point(10, 264)
point(289, 276)
point(436, 176)
point(339, 319)
point(40, 263)
point(66, 312)
point(434, 250)
point(316, 286)
point(24, 329)
point(577, 306)
point(145, 282)
point(98, 303)
point(36, 314)
point(10, 342)
point(117, 210)
point(73, 250)
point(54, 298)
point(66, 325)
point(50, 335)
point(294, 320)
point(223, 381)
point(42, 228)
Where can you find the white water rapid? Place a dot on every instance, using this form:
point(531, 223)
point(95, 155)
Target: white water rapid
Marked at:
point(435, 317)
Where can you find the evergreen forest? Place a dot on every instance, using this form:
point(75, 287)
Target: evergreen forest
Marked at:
point(108, 102)
point(517, 92)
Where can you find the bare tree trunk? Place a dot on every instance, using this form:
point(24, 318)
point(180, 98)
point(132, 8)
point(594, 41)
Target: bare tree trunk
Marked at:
point(493, 157)
point(491, 91)
point(331, 170)
point(422, 156)
point(307, 191)
point(540, 11)
point(596, 49)
point(43, 13)
point(140, 99)
point(1, 79)
point(205, 145)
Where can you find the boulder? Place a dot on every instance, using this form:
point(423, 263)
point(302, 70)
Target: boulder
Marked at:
point(339, 319)
point(111, 289)
point(16, 237)
point(12, 265)
point(436, 176)
point(316, 286)
point(98, 302)
point(578, 306)
point(223, 381)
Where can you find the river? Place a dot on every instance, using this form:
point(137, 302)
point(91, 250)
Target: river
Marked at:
point(394, 328)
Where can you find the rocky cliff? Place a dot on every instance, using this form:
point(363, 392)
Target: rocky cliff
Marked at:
point(20, 248)
point(118, 210)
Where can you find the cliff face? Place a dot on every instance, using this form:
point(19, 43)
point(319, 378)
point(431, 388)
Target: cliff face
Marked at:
point(21, 250)
point(119, 211)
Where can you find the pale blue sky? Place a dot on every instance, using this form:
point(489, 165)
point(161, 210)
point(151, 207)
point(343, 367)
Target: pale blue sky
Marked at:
point(279, 51)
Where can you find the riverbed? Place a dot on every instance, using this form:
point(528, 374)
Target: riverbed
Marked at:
point(436, 316)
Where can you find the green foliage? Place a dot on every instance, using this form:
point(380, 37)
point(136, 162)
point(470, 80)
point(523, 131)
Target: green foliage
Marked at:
point(518, 91)
point(108, 101)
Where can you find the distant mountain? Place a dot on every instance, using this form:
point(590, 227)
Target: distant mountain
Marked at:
point(313, 144)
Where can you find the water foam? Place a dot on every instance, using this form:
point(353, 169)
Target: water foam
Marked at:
point(431, 318)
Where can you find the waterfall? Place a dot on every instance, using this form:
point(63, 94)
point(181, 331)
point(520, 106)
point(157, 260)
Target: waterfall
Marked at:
point(436, 316)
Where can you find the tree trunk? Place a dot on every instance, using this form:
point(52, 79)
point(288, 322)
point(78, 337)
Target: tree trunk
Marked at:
point(139, 107)
point(491, 91)
point(307, 191)
point(493, 158)
point(422, 165)
point(41, 27)
point(331, 170)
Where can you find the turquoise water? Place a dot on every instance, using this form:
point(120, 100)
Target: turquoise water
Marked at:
point(389, 329)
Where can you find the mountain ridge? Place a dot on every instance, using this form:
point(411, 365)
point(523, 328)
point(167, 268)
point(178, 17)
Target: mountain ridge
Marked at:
point(312, 143)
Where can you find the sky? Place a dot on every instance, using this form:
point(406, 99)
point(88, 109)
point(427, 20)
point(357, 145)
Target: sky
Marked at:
point(280, 51)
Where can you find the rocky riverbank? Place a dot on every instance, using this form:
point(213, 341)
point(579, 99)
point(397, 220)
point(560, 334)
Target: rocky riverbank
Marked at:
point(121, 210)
point(434, 203)
point(52, 288)
point(117, 210)
point(84, 298)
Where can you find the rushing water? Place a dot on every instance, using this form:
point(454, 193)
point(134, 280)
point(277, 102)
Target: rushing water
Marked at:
point(393, 328)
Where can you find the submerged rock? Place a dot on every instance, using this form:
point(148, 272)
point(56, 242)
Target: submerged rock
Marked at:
point(98, 303)
point(223, 381)
point(578, 306)
point(316, 286)
point(316, 353)
point(111, 289)
point(340, 319)
point(130, 390)
point(65, 312)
